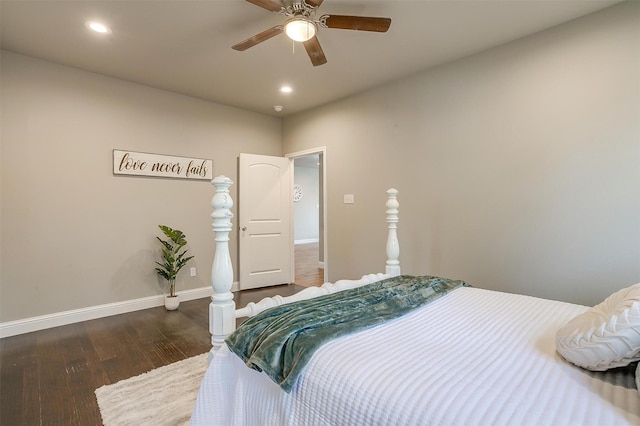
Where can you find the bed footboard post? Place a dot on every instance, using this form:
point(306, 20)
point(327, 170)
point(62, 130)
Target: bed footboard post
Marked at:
point(222, 320)
point(393, 246)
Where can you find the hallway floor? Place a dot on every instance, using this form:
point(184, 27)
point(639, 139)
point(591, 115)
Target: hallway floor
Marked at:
point(306, 261)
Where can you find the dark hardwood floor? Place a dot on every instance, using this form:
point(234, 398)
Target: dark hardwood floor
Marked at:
point(48, 377)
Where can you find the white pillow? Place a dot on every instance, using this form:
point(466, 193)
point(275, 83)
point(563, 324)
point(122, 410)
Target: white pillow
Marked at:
point(607, 335)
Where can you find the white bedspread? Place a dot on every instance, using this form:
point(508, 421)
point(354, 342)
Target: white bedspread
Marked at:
point(474, 357)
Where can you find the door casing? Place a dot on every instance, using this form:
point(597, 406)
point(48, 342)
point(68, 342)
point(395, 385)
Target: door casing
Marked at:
point(322, 151)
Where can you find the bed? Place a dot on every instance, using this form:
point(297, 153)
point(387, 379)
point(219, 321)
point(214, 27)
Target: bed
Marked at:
point(470, 357)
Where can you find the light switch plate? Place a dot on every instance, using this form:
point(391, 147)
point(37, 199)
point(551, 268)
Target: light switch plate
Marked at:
point(348, 199)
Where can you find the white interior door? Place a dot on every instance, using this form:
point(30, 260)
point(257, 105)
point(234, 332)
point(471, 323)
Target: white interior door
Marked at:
point(264, 209)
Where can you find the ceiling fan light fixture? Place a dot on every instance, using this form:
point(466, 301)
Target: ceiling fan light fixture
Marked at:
point(300, 29)
point(97, 27)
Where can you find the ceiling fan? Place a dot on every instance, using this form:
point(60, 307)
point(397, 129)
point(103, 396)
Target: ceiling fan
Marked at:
point(302, 26)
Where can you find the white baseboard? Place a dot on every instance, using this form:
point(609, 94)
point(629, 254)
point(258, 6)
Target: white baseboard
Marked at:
point(307, 241)
point(57, 319)
point(320, 265)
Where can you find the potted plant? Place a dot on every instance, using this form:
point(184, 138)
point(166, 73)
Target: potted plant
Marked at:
point(173, 259)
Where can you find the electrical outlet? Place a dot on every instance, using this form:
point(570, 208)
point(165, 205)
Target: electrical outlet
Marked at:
point(193, 272)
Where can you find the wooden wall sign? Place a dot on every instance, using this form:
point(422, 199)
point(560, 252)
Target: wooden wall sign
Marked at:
point(143, 164)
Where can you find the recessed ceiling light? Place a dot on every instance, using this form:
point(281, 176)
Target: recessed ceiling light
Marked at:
point(97, 27)
point(286, 89)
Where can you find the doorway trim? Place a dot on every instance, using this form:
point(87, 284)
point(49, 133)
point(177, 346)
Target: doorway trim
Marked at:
point(322, 150)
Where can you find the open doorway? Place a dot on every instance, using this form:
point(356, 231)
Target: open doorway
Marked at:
point(308, 217)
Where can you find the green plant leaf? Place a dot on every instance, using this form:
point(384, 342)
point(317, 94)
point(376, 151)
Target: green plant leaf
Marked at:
point(166, 244)
point(174, 259)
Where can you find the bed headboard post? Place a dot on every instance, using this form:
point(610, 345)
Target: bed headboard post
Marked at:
point(393, 246)
point(222, 320)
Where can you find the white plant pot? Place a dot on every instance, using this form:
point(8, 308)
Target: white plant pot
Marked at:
point(171, 303)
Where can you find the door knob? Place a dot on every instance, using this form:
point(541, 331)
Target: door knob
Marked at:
point(244, 228)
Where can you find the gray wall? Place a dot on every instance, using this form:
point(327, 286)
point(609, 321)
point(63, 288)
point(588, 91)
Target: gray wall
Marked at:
point(518, 168)
point(306, 211)
point(74, 235)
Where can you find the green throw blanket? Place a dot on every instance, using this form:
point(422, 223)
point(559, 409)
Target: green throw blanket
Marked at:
point(281, 340)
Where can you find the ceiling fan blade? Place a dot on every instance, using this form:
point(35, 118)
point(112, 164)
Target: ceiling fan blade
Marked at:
point(267, 4)
point(361, 23)
point(315, 52)
point(258, 38)
point(314, 3)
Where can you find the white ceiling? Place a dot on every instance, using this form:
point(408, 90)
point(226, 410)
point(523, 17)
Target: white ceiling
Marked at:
point(184, 46)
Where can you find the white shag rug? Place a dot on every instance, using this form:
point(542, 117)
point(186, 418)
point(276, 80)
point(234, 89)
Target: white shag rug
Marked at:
point(163, 396)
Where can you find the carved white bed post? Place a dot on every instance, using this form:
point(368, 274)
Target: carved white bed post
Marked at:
point(393, 246)
point(222, 319)
point(222, 310)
